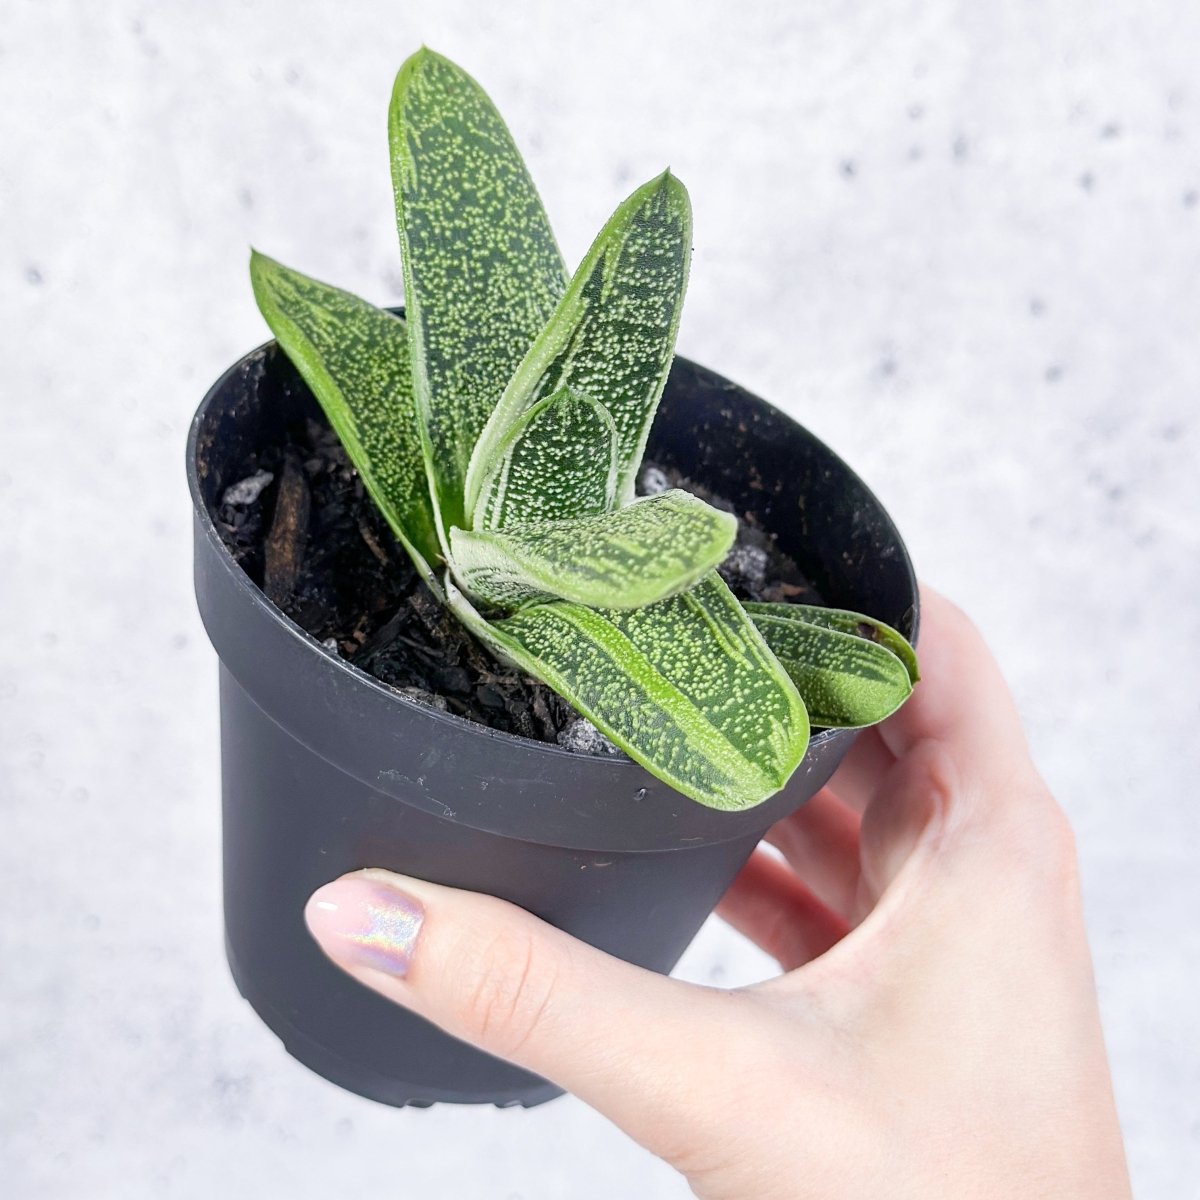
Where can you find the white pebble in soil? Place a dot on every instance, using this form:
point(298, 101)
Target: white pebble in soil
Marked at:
point(653, 481)
point(746, 564)
point(582, 737)
point(421, 696)
point(247, 490)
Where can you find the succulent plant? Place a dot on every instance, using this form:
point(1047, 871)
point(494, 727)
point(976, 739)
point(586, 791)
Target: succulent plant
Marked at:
point(500, 425)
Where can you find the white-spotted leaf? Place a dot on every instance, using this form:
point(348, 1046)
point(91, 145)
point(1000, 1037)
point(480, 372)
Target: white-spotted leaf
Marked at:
point(482, 272)
point(613, 334)
point(687, 687)
point(629, 558)
point(355, 358)
point(557, 461)
point(856, 623)
point(845, 679)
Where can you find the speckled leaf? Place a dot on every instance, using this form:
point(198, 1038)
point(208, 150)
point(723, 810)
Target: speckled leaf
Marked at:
point(845, 681)
point(638, 555)
point(355, 358)
point(844, 621)
point(686, 687)
point(482, 272)
point(613, 334)
point(557, 461)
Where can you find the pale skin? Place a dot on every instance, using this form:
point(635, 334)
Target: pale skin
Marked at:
point(935, 1032)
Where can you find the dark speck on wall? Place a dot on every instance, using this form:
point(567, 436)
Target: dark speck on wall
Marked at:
point(149, 48)
point(1037, 306)
point(848, 168)
point(1087, 181)
point(33, 276)
point(960, 148)
point(1053, 373)
point(916, 112)
point(1110, 131)
point(232, 1092)
point(1190, 198)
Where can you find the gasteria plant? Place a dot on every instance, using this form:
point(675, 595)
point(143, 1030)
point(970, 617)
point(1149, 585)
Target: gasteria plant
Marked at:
point(500, 426)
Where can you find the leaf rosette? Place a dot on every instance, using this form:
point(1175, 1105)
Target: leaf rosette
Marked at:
point(500, 426)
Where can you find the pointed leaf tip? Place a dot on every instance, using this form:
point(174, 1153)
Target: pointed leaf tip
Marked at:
point(612, 336)
point(844, 621)
point(851, 670)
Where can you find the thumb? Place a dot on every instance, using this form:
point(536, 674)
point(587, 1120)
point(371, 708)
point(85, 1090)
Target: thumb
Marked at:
point(638, 1046)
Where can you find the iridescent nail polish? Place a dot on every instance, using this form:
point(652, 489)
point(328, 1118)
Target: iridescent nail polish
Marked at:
point(360, 922)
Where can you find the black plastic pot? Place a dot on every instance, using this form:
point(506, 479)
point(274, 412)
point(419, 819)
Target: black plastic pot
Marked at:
point(326, 770)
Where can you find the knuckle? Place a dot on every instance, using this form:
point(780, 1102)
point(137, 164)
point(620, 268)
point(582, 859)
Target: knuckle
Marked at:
point(1060, 854)
point(507, 984)
point(1040, 838)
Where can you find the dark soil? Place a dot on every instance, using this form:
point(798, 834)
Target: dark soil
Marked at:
point(300, 524)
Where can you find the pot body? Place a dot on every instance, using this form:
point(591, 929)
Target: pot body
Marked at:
point(326, 770)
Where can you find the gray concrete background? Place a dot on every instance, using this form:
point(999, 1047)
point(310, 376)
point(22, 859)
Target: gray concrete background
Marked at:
point(960, 241)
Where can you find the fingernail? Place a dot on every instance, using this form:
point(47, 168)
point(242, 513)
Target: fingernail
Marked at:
point(363, 923)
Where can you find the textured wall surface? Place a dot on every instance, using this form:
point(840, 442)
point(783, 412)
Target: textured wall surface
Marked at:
point(961, 241)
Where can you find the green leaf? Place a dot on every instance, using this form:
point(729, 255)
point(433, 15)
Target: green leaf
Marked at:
point(638, 555)
point(613, 335)
point(355, 358)
point(687, 687)
point(846, 681)
point(844, 621)
point(482, 272)
point(557, 461)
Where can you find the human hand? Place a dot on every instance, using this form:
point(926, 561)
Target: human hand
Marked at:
point(936, 1031)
